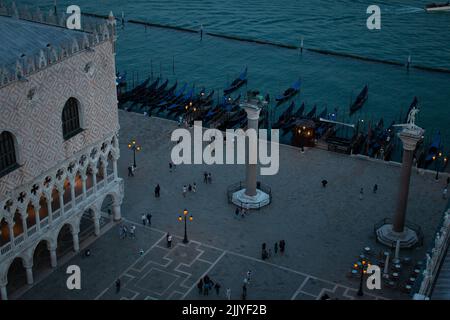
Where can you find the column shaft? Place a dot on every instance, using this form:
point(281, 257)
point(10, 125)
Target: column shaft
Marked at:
point(403, 192)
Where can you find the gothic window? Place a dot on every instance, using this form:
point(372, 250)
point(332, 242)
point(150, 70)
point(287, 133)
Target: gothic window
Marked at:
point(8, 160)
point(71, 119)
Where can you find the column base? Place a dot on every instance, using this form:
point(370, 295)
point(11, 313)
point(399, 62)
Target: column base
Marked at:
point(240, 199)
point(387, 236)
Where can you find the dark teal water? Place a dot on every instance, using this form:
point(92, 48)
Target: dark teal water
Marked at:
point(327, 81)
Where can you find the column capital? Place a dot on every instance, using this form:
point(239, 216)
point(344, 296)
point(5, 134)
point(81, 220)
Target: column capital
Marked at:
point(410, 139)
point(252, 111)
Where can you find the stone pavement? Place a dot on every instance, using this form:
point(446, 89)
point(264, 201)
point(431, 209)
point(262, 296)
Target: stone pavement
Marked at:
point(325, 229)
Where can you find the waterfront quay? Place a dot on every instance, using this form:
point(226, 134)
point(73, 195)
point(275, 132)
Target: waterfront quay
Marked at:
point(325, 229)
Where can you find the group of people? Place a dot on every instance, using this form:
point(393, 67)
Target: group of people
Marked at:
point(189, 188)
point(207, 178)
point(147, 219)
point(361, 191)
point(241, 212)
point(124, 231)
point(206, 284)
point(266, 253)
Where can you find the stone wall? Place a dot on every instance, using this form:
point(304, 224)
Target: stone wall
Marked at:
point(31, 110)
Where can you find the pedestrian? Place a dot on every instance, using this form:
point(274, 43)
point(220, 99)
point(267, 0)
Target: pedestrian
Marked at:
point(249, 273)
point(125, 231)
point(133, 232)
point(141, 252)
point(194, 187)
point(324, 183)
point(282, 247)
point(133, 169)
point(228, 293)
point(209, 178)
point(169, 241)
point(242, 214)
point(217, 287)
point(205, 177)
point(200, 286)
point(144, 220)
point(87, 253)
point(121, 232)
point(444, 193)
point(190, 188)
point(236, 212)
point(184, 191)
point(275, 248)
point(157, 190)
point(149, 219)
point(361, 192)
point(244, 292)
point(269, 253)
point(375, 188)
point(170, 166)
point(130, 171)
point(206, 287)
point(117, 285)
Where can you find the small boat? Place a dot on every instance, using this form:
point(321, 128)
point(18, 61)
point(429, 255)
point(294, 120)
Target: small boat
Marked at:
point(237, 83)
point(432, 7)
point(312, 113)
point(290, 92)
point(360, 100)
point(434, 149)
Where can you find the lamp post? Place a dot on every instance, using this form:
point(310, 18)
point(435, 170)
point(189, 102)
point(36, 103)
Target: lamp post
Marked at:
point(363, 271)
point(135, 147)
point(185, 217)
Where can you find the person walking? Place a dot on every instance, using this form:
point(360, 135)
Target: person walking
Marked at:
point(200, 286)
point(228, 294)
point(169, 241)
point(205, 177)
point(190, 188)
point(244, 292)
point(236, 212)
point(361, 193)
point(130, 171)
point(144, 220)
point(275, 248)
point(149, 219)
point(170, 166)
point(375, 188)
point(194, 187)
point(125, 231)
point(444, 193)
point(217, 288)
point(324, 183)
point(117, 285)
point(209, 178)
point(184, 191)
point(282, 247)
point(133, 232)
point(157, 191)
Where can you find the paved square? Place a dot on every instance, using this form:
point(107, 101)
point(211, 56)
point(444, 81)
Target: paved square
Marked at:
point(325, 228)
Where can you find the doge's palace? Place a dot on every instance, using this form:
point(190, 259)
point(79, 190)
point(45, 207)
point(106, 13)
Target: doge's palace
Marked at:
point(58, 137)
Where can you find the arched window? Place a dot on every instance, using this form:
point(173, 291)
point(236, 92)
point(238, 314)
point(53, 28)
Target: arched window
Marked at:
point(71, 119)
point(8, 160)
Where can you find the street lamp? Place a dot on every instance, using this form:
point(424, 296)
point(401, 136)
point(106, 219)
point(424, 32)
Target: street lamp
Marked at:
point(363, 271)
point(185, 217)
point(135, 147)
point(437, 158)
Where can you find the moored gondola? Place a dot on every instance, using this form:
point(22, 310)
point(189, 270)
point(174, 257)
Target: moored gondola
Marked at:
point(237, 83)
point(360, 100)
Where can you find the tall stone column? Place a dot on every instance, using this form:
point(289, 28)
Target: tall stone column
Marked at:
point(29, 271)
point(389, 234)
point(409, 145)
point(251, 173)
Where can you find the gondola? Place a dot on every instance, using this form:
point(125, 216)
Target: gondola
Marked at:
point(360, 100)
point(289, 93)
point(237, 83)
point(433, 7)
point(285, 116)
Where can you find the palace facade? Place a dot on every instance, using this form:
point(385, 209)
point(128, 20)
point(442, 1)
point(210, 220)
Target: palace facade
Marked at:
point(58, 140)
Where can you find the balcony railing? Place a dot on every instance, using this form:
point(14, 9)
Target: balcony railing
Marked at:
point(56, 215)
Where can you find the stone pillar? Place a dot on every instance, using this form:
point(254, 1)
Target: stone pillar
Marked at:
point(24, 225)
point(83, 183)
point(29, 271)
point(37, 208)
point(61, 192)
point(3, 292)
point(115, 168)
point(94, 178)
point(97, 225)
point(72, 191)
point(116, 212)
point(11, 233)
point(409, 145)
point(252, 125)
point(76, 241)
point(49, 210)
point(53, 259)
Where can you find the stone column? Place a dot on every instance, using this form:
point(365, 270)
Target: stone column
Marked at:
point(115, 168)
point(76, 241)
point(409, 145)
point(116, 212)
point(61, 192)
point(37, 208)
point(53, 259)
point(94, 179)
point(83, 183)
point(97, 225)
point(29, 271)
point(3, 292)
point(252, 125)
point(11, 233)
point(72, 191)
point(49, 210)
point(24, 225)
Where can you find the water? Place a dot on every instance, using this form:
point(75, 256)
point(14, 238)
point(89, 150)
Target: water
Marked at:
point(327, 81)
